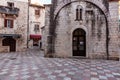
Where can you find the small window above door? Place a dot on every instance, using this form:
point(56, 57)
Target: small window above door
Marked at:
point(79, 11)
point(37, 12)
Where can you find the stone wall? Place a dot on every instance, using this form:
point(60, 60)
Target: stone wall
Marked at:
point(45, 30)
point(114, 29)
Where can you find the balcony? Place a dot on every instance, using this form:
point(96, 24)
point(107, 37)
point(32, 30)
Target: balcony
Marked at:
point(9, 10)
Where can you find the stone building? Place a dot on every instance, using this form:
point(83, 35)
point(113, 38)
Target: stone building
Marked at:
point(20, 24)
point(13, 25)
point(36, 22)
point(87, 28)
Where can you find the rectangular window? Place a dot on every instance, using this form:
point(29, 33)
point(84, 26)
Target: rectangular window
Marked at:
point(8, 23)
point(36, 28)
point(37, 12)
point(11, 5)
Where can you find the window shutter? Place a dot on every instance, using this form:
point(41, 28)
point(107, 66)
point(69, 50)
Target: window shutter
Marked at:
point(5, 22)
point(12, 24)
point(38, 28)
point(35, 12)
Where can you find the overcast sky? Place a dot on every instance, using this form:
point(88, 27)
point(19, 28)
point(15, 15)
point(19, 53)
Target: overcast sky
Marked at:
point(45, 1)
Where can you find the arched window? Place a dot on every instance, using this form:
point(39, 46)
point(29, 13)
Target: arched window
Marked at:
point(79, 11)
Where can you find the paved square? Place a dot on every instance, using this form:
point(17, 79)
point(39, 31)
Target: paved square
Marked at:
point(31, 65)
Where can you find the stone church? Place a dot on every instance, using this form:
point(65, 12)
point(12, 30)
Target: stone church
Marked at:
point(87, 28)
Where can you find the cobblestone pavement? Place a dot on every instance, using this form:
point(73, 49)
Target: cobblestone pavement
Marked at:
point(33, 66)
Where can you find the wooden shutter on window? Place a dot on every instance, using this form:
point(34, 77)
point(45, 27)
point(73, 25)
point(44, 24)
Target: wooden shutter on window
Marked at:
point(5, 22)
point(12, 24)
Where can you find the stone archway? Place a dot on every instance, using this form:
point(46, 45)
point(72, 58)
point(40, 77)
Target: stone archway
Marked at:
point(55, 11)
point(100, 5)
point(11, 43)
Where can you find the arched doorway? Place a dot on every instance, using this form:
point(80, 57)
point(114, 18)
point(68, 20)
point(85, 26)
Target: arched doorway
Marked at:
point(79, 42)
point(11, 43)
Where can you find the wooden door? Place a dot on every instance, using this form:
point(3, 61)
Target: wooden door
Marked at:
point(79, 42)
point(11, 43)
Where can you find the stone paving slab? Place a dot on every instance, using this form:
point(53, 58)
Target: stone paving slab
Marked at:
point(32, 65)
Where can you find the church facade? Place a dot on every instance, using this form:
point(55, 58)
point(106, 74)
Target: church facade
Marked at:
point(87, 28)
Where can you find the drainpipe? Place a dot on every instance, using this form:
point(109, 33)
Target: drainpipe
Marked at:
point(28, 25)
point(107, 40)
point(107, 31)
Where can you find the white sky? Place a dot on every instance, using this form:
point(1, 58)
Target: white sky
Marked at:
point(41, 1)
point(45, 1)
